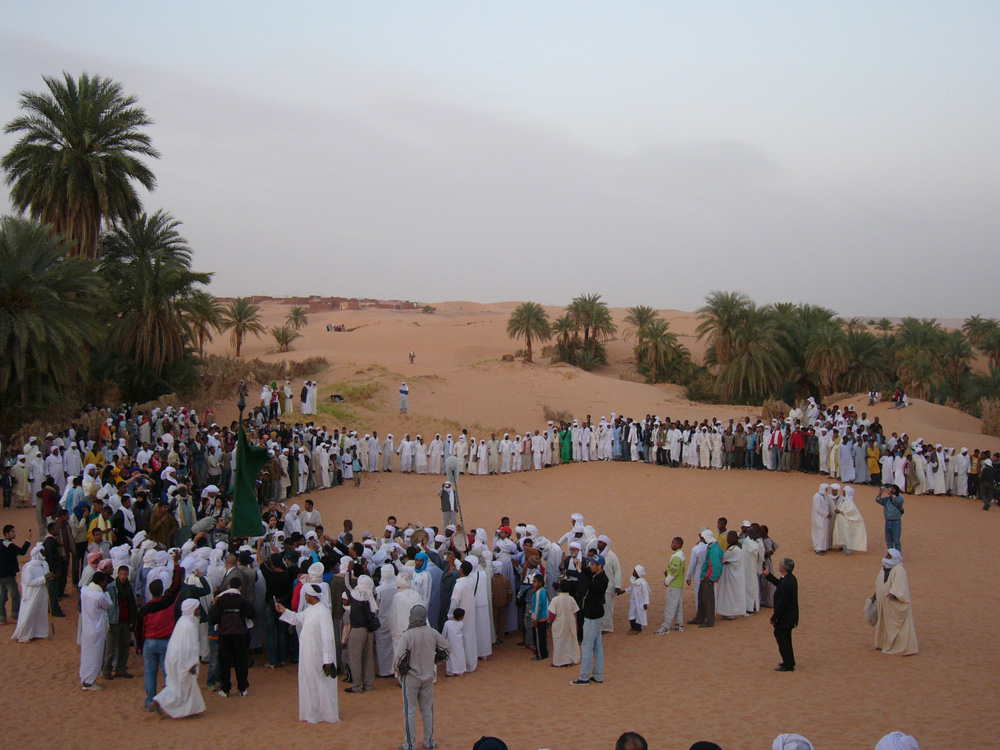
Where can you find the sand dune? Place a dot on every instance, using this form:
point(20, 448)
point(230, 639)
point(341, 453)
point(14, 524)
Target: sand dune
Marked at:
point(701, 684)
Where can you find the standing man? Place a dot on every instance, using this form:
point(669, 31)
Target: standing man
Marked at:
point(449, 505)
point(613, 570)
point(121, 621)
point(317, 668)
point(229, 613)
point(673, 579)
point(417, 675)
point(711, 571)
point(9, 552)
point(52, 550)
point(452, 468)
point(94, 602)
point(892, 508)
point(592, 649)
point(786, 612)
point(154, 626)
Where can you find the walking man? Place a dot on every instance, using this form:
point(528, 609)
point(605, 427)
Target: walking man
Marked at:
point(786, 612)
point(711, 571)
point(416, 673)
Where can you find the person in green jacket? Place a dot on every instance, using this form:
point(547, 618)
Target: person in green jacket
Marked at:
point(711, 571)
point(566, 445)
point(673, 608)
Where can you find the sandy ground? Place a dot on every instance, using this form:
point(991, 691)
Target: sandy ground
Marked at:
point(716, 684)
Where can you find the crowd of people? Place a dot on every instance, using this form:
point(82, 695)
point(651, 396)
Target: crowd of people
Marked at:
point(138, 518)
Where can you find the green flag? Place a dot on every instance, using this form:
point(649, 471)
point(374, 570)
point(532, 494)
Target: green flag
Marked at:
point(246, 513)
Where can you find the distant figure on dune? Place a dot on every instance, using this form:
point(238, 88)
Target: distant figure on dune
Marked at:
point(404, 398)
point(412, 356)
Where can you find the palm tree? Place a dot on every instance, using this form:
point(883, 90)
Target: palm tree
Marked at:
point(47, 318)
point(854, 325)
point(720, 316)
point(657, 349)
point(867, 366)
point(242, 317)
point(593, 317)
point(147, 265)
point(563, 328)
point(828, 355)
point(990, 346)
point(757, 361)
point(883, 326)
point(204, 314)
point(529, 321)
point(77, 161)
point(976, 327)
point(956, 354)
point(297, 318)
point(637, 318)
point(284, 336)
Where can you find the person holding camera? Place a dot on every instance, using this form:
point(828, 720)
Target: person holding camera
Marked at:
point(892, 507)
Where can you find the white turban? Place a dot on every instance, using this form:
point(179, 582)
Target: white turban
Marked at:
point(897, 741)
point(791, 742)
point(189, 607)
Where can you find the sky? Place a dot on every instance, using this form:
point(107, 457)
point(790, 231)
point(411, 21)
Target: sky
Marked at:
point(840, 153)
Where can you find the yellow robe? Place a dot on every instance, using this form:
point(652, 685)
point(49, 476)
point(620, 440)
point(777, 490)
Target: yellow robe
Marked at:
point(894, 631)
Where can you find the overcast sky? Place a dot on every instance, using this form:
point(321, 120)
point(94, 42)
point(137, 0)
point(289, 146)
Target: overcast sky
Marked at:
point(841, 153)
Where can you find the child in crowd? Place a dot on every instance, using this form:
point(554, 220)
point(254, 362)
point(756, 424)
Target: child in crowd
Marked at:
point(455, 666)
point(638, 600)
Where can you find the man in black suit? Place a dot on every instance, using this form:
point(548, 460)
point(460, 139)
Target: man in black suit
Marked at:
point(786, 612)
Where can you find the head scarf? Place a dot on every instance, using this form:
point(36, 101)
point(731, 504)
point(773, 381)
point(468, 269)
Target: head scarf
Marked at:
point(897, 741)
point(364, 592)
point(892, 558)
point(404, 578)
point(418, 616)
point(791, 742)
point(388, 575)
point(188, 607)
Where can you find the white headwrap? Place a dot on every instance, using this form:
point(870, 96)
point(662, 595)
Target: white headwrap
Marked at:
point(897, 741)
point(364, 592)
point(791, 742)
point(892, 558)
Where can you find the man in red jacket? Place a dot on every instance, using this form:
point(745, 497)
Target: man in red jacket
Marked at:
point(798, 446)
point(154, 628)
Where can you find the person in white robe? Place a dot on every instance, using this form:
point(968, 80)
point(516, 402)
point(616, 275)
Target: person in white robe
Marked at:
point(845, 459)
point(638, 603)
point(94, 605)
point(613, 570)
point(824, 450)
point(33, 616)
point(404, 398)
point(704, 449)
point(849, 531)
point(483, 610)
point(384, 594)
point(894, 630)
point(455, 666)
point(506, 454)
point(289, 397)
point(833, 500)
point(405, 451)
point(753, 566)
point(731, 597)
point(585, 442)
point(820, 520)
point(464, 596)
point(181, 695)
point(388, 453)
point(940, 485)
point(962, 466)
point(716, 448)
point(403, 601)
point(435, 455)
point(516, 449)
point(482, 459)
point(472, 466)
point(317, 658)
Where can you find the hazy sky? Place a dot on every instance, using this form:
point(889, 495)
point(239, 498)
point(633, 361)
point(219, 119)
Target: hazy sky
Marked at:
point(842, 153)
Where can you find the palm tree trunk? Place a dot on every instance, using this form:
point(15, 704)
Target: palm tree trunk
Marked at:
point(527, 341)
point(239, 345)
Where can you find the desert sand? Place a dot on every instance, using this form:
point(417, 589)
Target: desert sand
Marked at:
point(715, 684)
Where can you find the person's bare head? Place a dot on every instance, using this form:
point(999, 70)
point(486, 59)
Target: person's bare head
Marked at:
point(231, 561)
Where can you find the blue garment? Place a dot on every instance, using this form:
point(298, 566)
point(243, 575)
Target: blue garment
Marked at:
point(73, 497)
point(539, 604)
point(154, 654)
point(592, 651)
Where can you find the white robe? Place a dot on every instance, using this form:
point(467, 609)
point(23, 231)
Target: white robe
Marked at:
point(484, 613)
point(849, 530)
point(638, 602)
point(435, 456)
point(820, 522)
point(399, 615)
point(463, 596)
point(731, 597)
point(317, 692)
point(752, 568)
point(405, 451)
point(456, 656)
point(94, 604)
point(420, 458)
point(33, 617)
point(181, 695)
point(384, 594)
point(613, 570)
point(506, 454)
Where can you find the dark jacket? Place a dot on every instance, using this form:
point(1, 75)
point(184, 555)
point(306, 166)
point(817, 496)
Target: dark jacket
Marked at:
point(9, 552)
point(593, 600)
point(445, 502)
point(117, 590)
point(229, 613)
point(786, 601)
